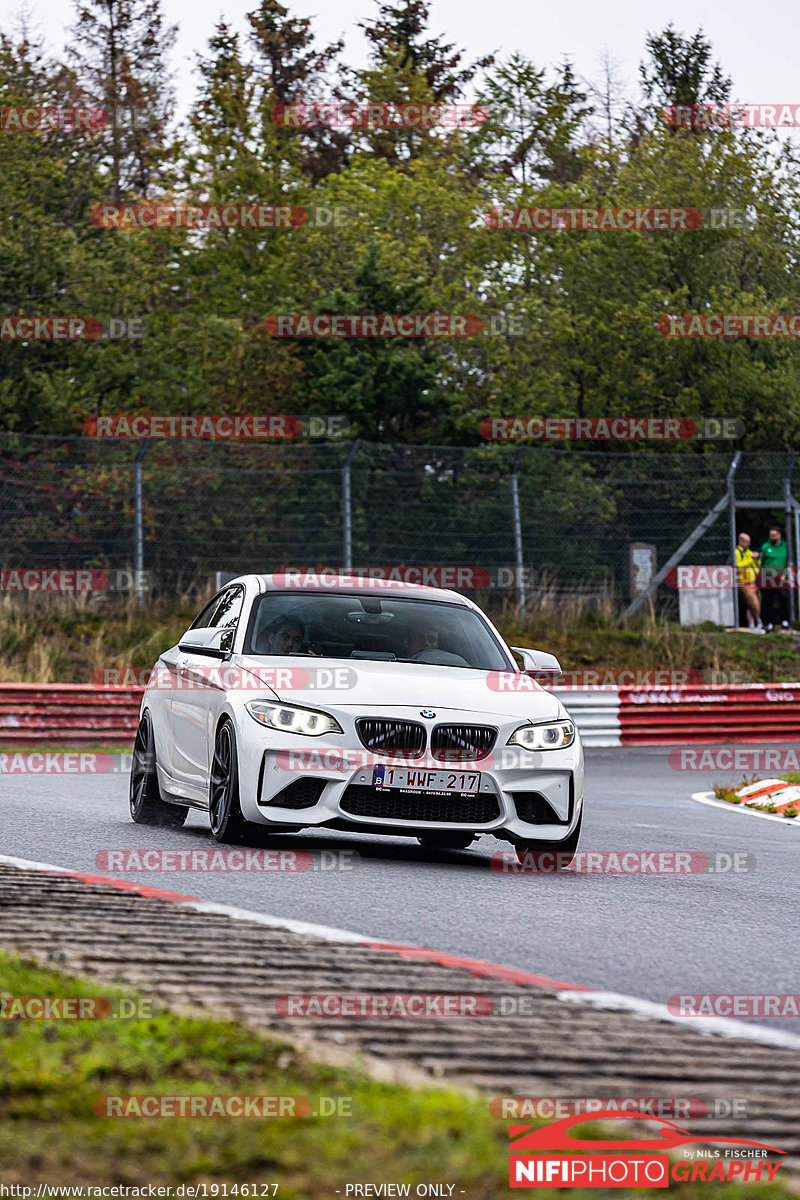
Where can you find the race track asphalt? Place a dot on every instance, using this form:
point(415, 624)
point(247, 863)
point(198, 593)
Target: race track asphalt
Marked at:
point(648, 935)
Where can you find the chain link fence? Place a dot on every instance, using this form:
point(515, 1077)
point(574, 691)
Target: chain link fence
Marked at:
point(527, 517)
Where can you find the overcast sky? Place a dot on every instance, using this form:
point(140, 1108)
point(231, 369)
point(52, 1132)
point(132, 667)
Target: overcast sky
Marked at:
point(755, 46)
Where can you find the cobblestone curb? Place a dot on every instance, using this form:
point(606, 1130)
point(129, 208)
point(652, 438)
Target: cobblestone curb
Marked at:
point(237, 969)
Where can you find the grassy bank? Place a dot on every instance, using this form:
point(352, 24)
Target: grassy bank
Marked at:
point(53, 1072)
point(609, 643)
point(62, 639)
point(69, 640)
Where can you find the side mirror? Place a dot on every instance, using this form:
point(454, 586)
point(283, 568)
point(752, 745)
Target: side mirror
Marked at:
point(204, 641)
point(538, 660)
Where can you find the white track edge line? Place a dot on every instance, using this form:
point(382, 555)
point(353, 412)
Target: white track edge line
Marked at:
point(328, 932)
point(724, 1026)
point(710, 799)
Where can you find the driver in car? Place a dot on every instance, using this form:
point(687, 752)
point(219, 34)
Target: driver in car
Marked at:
point(285, 636)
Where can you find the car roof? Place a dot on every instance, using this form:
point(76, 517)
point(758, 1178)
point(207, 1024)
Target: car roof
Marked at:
point(330, 581)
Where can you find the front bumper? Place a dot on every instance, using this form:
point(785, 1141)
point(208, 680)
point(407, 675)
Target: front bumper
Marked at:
point(523, 795)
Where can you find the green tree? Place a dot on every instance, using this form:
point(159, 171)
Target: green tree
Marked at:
point(532, 130)
point(294, 71)
point(408, 67)
point(680, 70)
point(120, 53)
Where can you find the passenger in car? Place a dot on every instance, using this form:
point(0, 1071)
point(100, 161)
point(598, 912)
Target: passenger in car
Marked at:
point(422, 638)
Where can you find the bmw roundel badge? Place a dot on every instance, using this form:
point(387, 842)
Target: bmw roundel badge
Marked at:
point(426, 712)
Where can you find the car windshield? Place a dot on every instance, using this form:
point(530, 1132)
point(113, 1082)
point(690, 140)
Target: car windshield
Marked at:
point(373, 627)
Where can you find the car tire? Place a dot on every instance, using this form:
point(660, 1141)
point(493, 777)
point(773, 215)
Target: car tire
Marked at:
point(224, 811)
point(568, 846)
point(144, 797)
point(446, 841)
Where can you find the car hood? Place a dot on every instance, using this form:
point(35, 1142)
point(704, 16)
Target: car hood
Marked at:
point(393, 685)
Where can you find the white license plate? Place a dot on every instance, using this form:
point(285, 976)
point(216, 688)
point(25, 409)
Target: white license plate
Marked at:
point(426, 781)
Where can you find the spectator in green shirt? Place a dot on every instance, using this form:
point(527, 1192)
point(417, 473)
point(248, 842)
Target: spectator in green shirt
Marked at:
point(775, 597)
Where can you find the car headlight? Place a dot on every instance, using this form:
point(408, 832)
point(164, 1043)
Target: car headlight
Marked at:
point(291, 718)
point(555, 736)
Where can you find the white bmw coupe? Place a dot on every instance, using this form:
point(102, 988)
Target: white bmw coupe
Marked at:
point(297, 701)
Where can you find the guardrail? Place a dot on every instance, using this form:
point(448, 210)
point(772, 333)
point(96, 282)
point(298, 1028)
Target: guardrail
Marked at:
point(618, 716)
point(70, 714)
point(80, 714)
point(596, 712)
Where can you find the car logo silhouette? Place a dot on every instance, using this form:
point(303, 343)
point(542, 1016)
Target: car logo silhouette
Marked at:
point(527, 1138)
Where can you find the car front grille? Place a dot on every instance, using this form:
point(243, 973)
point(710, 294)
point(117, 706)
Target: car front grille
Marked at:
point(362, 801)
point(302, 793)
point(462, 743)
point(405, 739)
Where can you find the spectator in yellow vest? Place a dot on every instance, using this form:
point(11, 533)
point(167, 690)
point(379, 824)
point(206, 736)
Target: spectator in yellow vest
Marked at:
point(746, 577)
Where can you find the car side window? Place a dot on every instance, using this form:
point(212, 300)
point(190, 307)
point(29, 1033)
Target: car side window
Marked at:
point(223, 613)
point(204, 620)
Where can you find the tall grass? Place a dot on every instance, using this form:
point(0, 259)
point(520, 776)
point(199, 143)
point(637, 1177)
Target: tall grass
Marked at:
point(548, 600)
point(68, 639)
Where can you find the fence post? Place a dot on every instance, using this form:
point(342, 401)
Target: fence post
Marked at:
point(731, 490)
point(518, 532)
point(347, 509)
point(791, 541)
point(138, 520)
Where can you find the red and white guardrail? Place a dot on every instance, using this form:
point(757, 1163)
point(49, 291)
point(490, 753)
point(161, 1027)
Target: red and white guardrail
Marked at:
point(624, 716)
point(78, 714)
point(69, 714)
